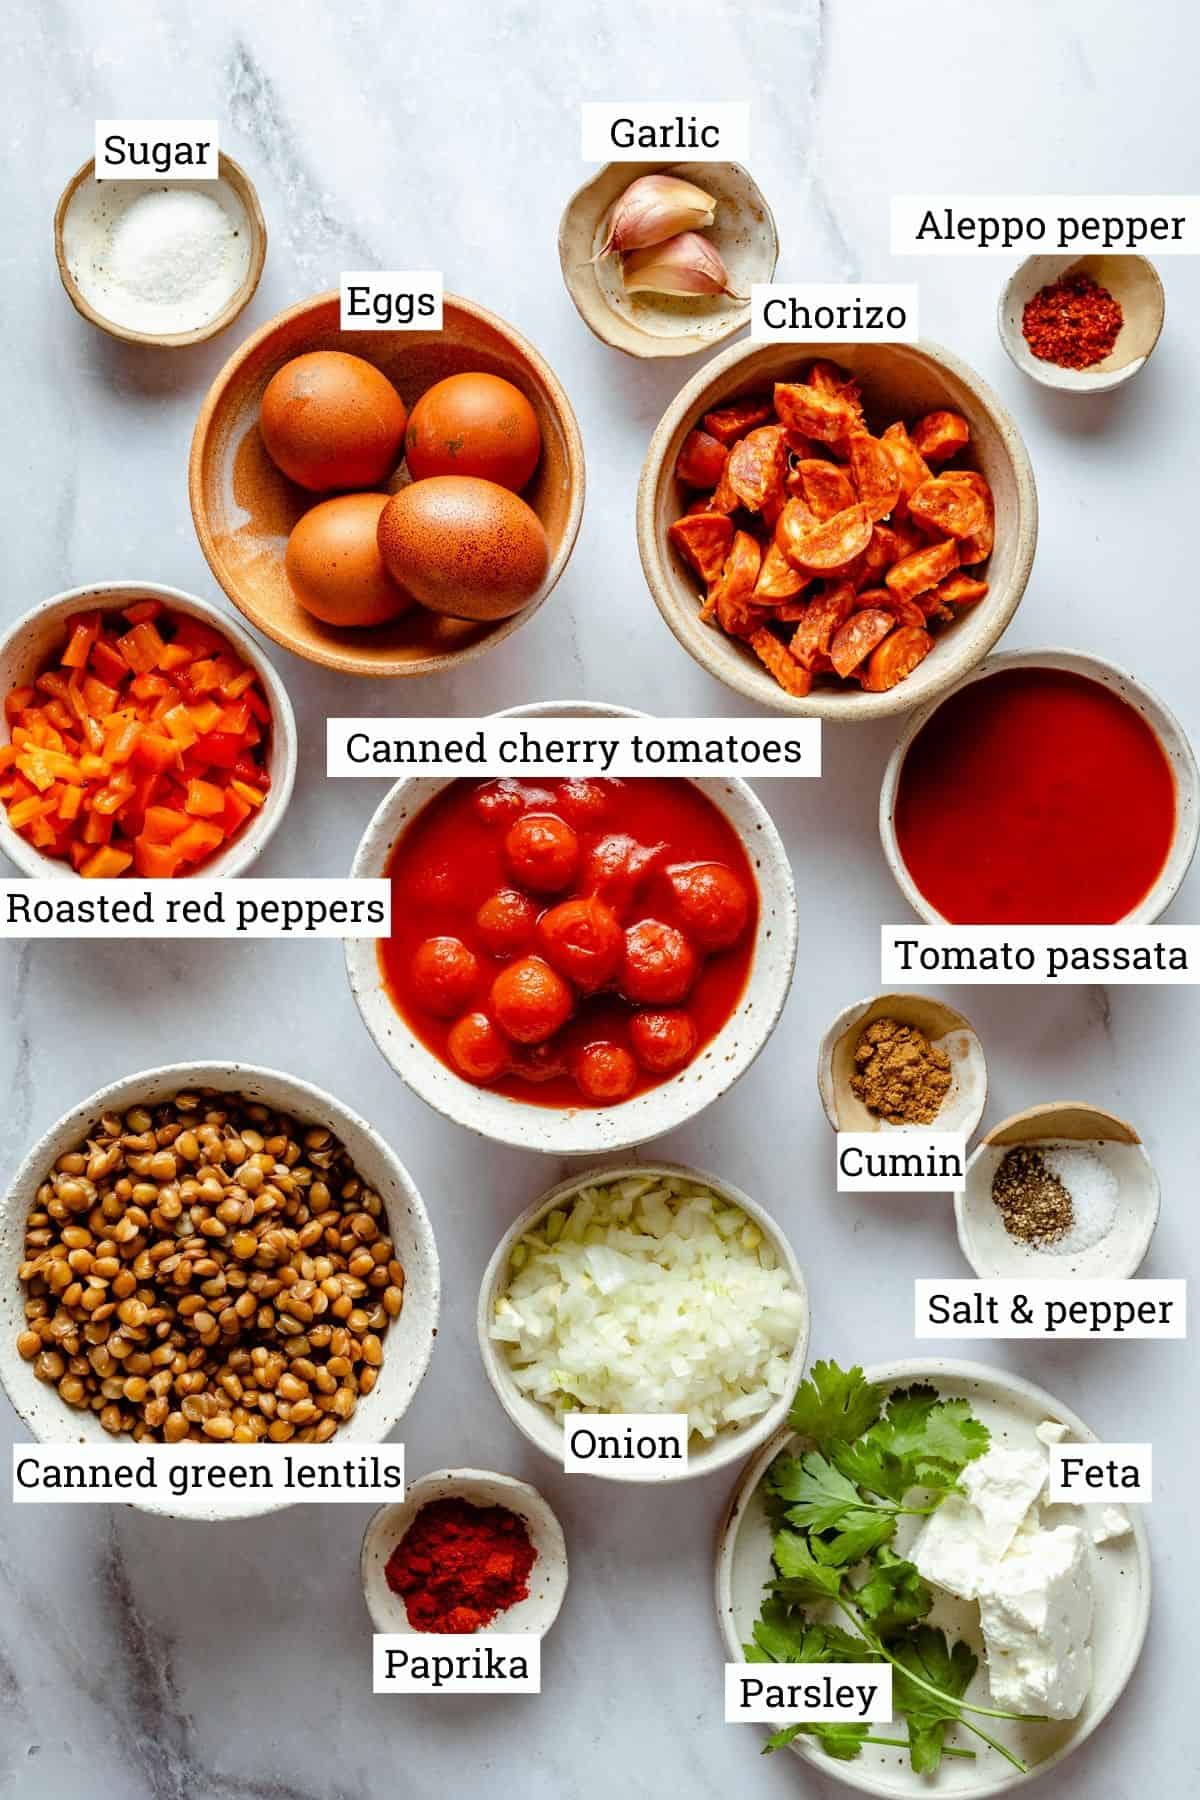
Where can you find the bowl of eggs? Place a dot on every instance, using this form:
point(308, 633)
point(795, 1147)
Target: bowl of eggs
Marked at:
point(386, 502)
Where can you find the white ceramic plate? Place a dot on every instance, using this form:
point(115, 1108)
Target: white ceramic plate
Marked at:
point(588, 1130)
point(1012, 1409)
point(539, 1424)
point(479, 1487)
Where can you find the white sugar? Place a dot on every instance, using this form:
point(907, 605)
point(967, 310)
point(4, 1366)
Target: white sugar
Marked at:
point(1094, 1192)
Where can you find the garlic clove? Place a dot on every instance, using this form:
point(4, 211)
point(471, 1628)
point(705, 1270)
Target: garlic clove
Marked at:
point(687, 264)
point(654, 208)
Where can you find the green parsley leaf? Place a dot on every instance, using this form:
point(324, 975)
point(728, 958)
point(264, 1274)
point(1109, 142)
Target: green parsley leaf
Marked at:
point(894, 1595)
point(802, 1578)
point(925, 1652)
point(862, 1532)
point(833, 1404)
point(783, 1635)
point(818, 1496)
point(841, 1741)
point(921, 1442)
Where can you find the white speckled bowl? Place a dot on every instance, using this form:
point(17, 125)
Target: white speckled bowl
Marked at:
point(899, 381)
point(1165, 726)
point(28, 644)
point(479, 1487)
point(652, 325)
point(408, 1344)
point(1132, 281)
point(983, 1237)
point(583, 1130)
point(963, 1106)
point(539, 1424)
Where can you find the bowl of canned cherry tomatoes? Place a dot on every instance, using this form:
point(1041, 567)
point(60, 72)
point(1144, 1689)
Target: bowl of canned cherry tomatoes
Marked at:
point(574, 964)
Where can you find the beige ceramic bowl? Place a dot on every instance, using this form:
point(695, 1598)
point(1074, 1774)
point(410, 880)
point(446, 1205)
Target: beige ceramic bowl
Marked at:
point(1165, 726)
point(410, 1338)
point(478, 1487)
point(994, 1254)
point(244, 507)
point(652, 325)
point(899, 381)
point(84, 191)
point(1132, 281)
point(28, 645)
point(539, 1424)
point(963, 1106)
point(584, 1130)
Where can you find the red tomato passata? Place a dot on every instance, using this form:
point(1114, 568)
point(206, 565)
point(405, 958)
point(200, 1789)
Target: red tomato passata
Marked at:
point(474, 424)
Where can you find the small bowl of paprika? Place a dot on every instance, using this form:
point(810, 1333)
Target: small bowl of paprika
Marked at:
point(1082, 324)
point(468, 1550)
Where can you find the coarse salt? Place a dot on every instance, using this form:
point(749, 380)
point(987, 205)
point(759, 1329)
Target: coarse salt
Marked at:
point(1094, 1191)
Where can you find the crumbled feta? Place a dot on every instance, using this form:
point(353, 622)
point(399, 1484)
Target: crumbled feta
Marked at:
point(1036, 1611)
point(1113, 1523)
point(970, 1532)
point(1051, 1432)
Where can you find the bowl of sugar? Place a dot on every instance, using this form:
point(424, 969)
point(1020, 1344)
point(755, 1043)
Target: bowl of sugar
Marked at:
point(167, 262)
point(1063, 1189)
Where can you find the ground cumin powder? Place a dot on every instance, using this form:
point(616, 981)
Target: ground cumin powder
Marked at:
point(898, 1074)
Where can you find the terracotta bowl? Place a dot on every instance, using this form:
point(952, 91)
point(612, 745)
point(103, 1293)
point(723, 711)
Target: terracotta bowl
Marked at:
point(244, 507)
point(653, 325)
point(899, 381)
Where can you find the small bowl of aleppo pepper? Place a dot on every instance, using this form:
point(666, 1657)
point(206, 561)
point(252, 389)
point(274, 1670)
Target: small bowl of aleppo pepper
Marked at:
point(1082, 324)
point(837, 531)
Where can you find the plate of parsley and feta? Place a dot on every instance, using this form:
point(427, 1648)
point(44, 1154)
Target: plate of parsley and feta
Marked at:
point(902, 1517)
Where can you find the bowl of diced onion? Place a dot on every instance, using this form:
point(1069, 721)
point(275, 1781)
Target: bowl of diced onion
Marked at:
point(646, 1288)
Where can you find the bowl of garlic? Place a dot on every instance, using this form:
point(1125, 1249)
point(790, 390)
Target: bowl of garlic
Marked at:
point(659, 258)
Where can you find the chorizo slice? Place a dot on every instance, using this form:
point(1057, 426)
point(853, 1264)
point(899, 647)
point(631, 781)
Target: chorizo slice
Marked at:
point(700, 460)
point(874, 474)
point(825, 486)
point(855, 640)
point(728, 423)
point(947, 508)
point(757, 465)
point(792, 677)
point(777, 579)
point(896, 657)
point(827, 378)
point(724, 497)
point(956, 590)
point(911, 467)
point(978, 547)
point(941, 435)
point(912, 575)
point(704, 540)
point(823, 546)
point(730, 597)
point(826, 417)
point(905, 612)
point(819, 622)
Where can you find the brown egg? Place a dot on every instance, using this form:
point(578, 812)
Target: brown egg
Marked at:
point(334, 565)
point(332, 421)
point(464, 546)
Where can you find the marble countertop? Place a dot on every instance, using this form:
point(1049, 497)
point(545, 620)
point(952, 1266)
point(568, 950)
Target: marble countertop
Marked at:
point(146, 1659)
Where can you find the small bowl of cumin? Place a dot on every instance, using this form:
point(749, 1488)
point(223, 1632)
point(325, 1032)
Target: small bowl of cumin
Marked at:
point(1082, 324)
point(902, 1062)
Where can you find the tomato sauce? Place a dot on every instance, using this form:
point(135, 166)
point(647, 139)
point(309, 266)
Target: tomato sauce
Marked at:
point(1035, 797)
point(451, 859)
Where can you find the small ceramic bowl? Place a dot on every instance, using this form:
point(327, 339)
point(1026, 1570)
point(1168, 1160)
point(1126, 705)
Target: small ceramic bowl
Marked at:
point(899, 381)
point(1172, 741)
point(963, 1106)
point(27, 646)
point(410, 1338)
point(652, 325)
point(478, 1487)
point(985, 1240)
point(1133, 283)
point(539, 1424)
point(84, 196)
point(585, 1130)
point(244, 507)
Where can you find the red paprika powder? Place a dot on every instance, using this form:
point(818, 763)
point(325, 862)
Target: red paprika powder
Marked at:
point(459, 1565)
point(1073, 322)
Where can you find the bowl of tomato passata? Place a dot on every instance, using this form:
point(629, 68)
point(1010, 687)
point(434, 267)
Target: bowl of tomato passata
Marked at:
point(1050, 788)
point(574, 965)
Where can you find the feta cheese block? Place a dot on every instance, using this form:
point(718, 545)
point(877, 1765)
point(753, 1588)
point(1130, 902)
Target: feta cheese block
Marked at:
point(1113, 1523)
point(1035, 1608)
point(970, 1532)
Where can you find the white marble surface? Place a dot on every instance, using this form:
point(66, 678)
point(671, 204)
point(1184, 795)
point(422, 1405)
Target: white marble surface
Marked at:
point(145, 1658)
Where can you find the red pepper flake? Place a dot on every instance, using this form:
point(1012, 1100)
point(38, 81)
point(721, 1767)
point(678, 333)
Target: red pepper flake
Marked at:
point(459, 1565)
point(1073, 322)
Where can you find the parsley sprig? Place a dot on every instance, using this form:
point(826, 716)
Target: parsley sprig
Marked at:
point(835, 1508)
